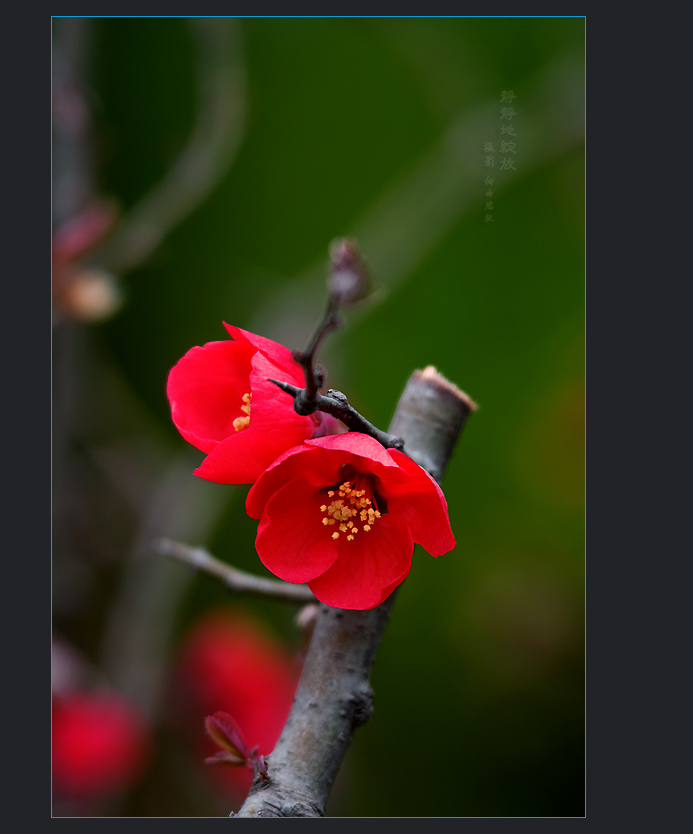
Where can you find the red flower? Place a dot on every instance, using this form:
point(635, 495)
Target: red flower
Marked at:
point(229, 663)
point(99, 745)
point(342, 513)
point(222, 403)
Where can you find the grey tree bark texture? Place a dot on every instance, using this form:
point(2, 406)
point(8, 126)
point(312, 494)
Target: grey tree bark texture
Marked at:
point(334, 695)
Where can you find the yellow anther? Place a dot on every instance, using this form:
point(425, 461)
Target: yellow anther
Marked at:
point(241, 423)
point(349, 505)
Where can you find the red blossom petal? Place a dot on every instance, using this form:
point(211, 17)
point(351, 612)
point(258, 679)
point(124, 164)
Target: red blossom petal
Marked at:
point(206, 388)
point(358, 444)
point(274, 426)
point(281, 355)
point(368, 568)
point(420, 502)
point(289, 466)
point(274, 407)
point(242, 458)
point(292, 541)
point(328, 454)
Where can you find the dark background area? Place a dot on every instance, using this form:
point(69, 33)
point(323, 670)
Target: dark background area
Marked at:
point(310, 129)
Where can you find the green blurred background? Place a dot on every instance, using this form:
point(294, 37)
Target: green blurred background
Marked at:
point(296, 131)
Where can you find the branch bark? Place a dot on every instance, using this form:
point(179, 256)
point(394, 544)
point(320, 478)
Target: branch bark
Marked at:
point(334, 696)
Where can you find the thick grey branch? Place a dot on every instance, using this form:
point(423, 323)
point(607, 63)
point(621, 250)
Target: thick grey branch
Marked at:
point(234, 579)
point(334, 695)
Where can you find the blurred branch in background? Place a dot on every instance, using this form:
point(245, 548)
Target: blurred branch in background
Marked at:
point(73, 158)
point(88, 292)
point(235, 580)
point(81, 216)
point(406, 223)
point(215, 138)
point(119, 449)
point(138, 631)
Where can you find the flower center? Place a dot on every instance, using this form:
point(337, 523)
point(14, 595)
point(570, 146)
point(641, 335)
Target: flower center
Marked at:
point(241, 423)
point(353, 507)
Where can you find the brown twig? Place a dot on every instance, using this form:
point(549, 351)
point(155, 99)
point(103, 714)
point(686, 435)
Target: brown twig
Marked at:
point(305, 399)
point(348, 284)
point(234, 579)
point(336, 404)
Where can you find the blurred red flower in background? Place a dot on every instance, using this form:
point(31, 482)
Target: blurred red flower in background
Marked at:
point(342, 513)
point(228, 662)
point(223, 403)
point(100, 745)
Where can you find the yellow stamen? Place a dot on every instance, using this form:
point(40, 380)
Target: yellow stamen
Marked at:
point(241, 423)
point(349, 505)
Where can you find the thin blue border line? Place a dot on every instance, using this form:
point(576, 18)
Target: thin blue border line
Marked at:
point(335, 17)
point(329, 818)
point(51, 420)
point(584, 406)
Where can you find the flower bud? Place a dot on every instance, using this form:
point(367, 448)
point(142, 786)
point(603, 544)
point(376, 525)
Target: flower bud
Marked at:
point(348, 281)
